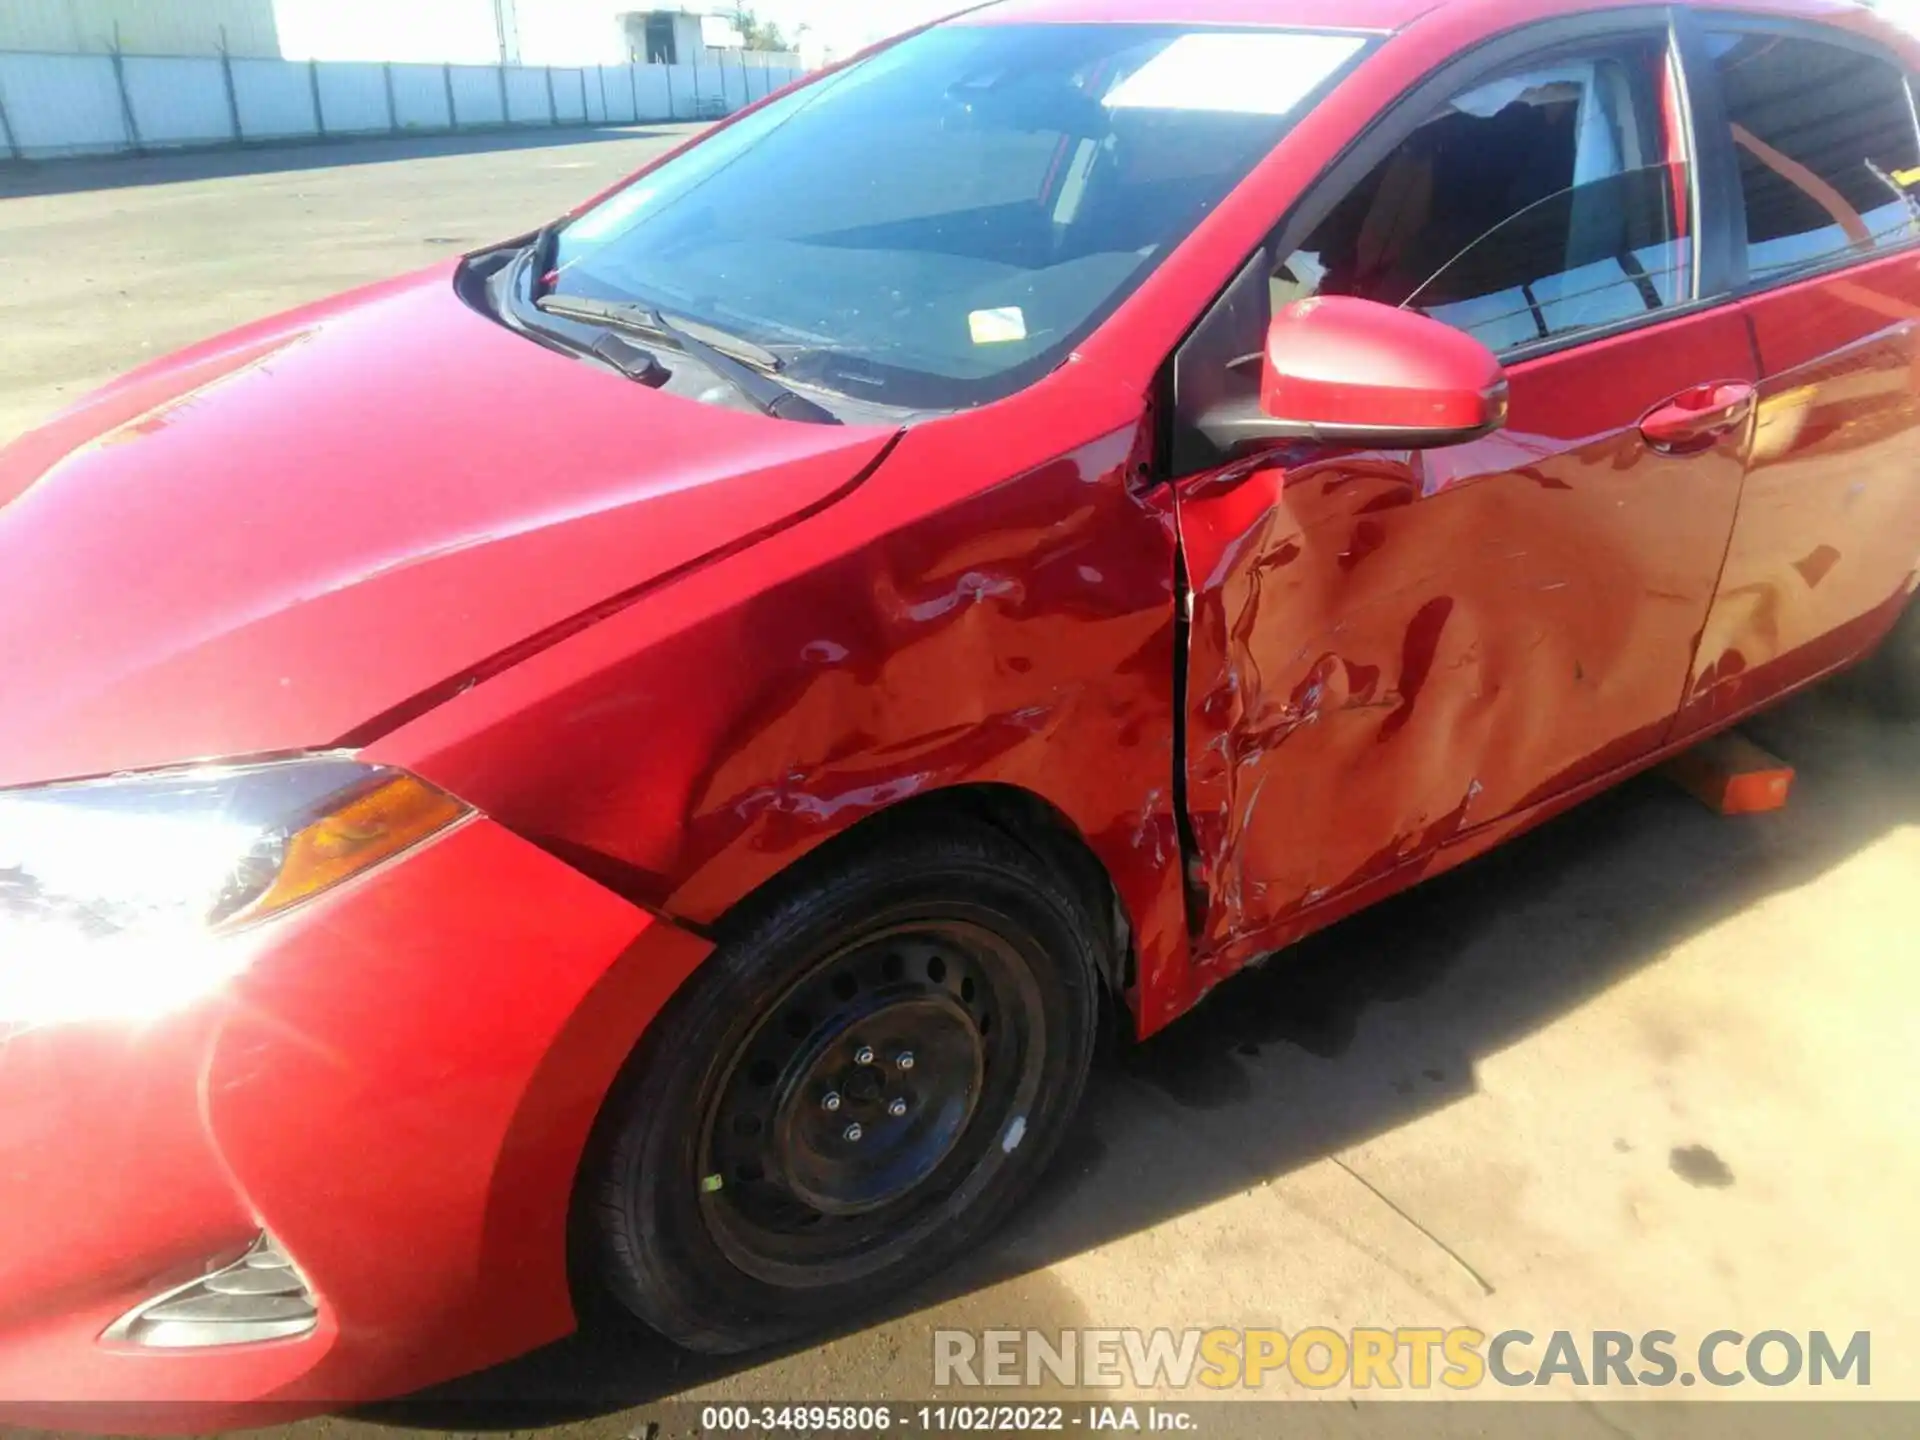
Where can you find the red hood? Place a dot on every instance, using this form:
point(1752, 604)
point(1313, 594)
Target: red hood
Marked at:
point(269, 541)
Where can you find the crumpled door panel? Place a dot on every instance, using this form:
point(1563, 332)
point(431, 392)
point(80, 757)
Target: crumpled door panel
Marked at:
point(1387, 650)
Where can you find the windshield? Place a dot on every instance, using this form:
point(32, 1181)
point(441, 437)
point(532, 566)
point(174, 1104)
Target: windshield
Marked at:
point(939, 225)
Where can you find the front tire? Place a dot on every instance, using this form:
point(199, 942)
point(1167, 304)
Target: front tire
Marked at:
point(856, 1087)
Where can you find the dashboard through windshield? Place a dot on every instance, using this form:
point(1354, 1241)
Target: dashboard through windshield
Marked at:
point(940, 224)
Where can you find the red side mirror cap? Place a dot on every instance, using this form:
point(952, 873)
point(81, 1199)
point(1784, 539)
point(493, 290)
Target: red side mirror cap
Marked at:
point(1356, 372)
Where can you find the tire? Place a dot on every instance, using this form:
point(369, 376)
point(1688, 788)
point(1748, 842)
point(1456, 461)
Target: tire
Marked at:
point(736, 1204)
point(1894, 670)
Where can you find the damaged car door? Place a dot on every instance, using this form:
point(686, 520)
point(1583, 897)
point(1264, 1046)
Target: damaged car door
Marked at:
point(1393, 642)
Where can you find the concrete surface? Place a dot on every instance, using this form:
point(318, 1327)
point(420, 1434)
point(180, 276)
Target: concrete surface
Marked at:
point(1645, 1069)
point(106, 263)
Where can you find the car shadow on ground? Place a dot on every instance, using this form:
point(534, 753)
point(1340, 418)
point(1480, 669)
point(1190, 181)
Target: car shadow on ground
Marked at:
point(20, 178)
point(1350, 1034)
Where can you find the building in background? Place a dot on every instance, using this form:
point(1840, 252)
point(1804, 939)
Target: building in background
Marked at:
point(664, 37)
point(105, 77)
point(461, 32)
point(660, 36)
point(528, 32)
point(689, 36)
point(141, 27)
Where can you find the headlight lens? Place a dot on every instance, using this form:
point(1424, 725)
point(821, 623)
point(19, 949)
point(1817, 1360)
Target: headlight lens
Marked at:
point(115, 880)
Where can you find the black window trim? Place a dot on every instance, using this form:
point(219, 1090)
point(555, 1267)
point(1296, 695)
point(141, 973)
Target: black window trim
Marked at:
point(1719, 211)
point(1710, 280)
point(1717, 150)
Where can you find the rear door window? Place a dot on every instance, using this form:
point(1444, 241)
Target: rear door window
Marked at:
point(1829, 158)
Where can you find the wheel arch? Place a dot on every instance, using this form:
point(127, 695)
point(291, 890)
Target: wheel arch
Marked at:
point(1022, 815)
point(1013, 812)
point(1009, 651)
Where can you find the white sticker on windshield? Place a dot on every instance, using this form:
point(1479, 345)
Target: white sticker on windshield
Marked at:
point(1256, 72)
point(997, 327)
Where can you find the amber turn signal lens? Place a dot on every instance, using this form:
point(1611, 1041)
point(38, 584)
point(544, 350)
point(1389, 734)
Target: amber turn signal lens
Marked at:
point(372, 827)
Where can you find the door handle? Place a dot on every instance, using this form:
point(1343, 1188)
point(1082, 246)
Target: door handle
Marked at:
point(1694, 419)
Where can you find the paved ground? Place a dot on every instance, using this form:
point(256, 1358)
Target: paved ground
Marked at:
point(1647, 1069)
point(116, 261)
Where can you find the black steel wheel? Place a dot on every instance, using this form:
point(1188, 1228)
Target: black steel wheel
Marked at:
point(870, 1071)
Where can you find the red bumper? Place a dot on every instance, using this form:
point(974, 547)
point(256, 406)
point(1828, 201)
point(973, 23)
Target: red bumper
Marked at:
point(397, 1087)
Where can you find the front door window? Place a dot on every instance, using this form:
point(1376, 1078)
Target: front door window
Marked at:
point(1534, 205)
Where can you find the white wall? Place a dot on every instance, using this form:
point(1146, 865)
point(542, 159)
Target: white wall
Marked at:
point(60, 105)
point(177, 101)
point(481, 93)
point(275, 99)
point(420, 97)
point(144, 27)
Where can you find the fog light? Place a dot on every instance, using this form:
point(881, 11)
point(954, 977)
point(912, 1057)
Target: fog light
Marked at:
point(258, 1297)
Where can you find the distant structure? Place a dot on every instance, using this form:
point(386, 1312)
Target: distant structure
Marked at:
point(247, 28)
point(688, 36)
point(462, 32)
point(115, 77)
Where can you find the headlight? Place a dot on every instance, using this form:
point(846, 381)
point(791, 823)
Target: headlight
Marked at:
point(112, 890)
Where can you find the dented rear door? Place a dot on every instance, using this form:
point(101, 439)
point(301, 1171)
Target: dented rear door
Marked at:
point(1388, 649)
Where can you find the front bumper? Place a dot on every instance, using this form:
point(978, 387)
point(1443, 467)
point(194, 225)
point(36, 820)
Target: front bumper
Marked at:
point(397, 1088)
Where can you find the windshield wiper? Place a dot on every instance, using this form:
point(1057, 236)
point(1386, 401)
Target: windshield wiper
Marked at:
point(731, 358)
point(635, 362)
point(632, 315)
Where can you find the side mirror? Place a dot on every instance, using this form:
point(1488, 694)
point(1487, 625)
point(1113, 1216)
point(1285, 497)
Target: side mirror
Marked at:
point(1344, 371)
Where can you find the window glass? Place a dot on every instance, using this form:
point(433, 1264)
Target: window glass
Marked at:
point(1584, 256)
point(1825, 136)
point(941, 223)
point(1536, 204)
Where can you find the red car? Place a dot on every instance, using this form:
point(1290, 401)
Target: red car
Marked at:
point(652, 748)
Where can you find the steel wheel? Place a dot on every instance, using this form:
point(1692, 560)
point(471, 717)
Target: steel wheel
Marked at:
point(869, 1072)
point(858, 1110)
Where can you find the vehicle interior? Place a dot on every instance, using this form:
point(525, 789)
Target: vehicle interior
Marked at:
point(1536, 203)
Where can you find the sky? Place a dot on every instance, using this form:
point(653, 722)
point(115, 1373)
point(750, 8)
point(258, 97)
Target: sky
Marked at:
point(843, 26)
